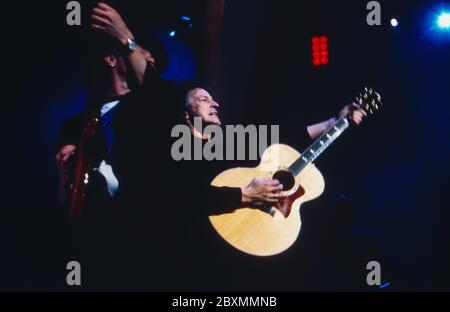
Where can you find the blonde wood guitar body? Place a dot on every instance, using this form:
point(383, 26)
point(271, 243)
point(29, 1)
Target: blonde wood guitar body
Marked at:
point(269, 230)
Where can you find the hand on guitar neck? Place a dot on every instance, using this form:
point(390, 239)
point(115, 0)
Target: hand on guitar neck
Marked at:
point(354, 113)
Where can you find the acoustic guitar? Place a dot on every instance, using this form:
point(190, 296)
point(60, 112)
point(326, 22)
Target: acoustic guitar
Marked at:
point(266, 231)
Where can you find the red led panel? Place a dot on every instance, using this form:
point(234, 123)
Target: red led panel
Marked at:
point(320, 55)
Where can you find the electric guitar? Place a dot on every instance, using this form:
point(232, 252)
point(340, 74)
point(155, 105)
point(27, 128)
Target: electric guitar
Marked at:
point(272, 230)
point(80, 178)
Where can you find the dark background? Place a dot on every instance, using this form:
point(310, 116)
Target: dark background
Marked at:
point(394, 167)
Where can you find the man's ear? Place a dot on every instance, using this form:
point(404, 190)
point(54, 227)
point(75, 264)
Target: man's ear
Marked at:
point(110, 60)
point(148, 57)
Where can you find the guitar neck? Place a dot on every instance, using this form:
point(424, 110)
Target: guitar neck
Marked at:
point(320, 145)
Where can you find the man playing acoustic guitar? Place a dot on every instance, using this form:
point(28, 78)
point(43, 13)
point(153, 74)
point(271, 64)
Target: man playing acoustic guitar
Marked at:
point(201, 250)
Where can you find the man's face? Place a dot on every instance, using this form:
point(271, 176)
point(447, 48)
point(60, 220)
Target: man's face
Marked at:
point(201, 104)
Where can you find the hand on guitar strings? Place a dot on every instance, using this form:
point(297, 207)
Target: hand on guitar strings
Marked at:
point(261, 192)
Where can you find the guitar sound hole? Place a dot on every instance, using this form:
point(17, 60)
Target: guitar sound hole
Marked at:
point(286, 178)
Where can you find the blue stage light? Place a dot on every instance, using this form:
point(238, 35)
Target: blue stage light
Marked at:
point(172, 33)
point(436, 24)
point(444, 20)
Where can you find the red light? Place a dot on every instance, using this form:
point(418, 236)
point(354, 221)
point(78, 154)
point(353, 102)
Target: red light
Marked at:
point(320, 50)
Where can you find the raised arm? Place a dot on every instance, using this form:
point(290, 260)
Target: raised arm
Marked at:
point(355, 114)
point(106, 19)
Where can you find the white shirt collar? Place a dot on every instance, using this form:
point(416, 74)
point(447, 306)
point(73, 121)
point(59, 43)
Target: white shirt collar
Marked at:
point(107, 107)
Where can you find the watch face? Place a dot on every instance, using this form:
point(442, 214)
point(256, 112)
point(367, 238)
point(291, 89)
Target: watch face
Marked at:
point(131, 44)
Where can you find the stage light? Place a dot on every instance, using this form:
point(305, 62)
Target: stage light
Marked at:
point(394, 22)
point(436, 23)
point(320, 50)
point(172, 33)
point(186, 18)
point(444, 20)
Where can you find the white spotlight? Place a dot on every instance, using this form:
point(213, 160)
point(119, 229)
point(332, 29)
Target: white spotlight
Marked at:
point(394, 22)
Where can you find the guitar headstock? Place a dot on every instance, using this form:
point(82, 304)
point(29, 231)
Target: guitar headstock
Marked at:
point(369, 100)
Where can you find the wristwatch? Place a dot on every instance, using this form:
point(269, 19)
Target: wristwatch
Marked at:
point(131, 45)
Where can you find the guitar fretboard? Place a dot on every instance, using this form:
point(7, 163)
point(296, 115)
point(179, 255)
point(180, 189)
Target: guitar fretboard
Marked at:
point(320, 145)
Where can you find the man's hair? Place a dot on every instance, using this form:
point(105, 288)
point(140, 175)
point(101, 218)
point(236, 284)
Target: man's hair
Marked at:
point(188, 88)
point(147, 41)
point(100, 45)
point(190, 95)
